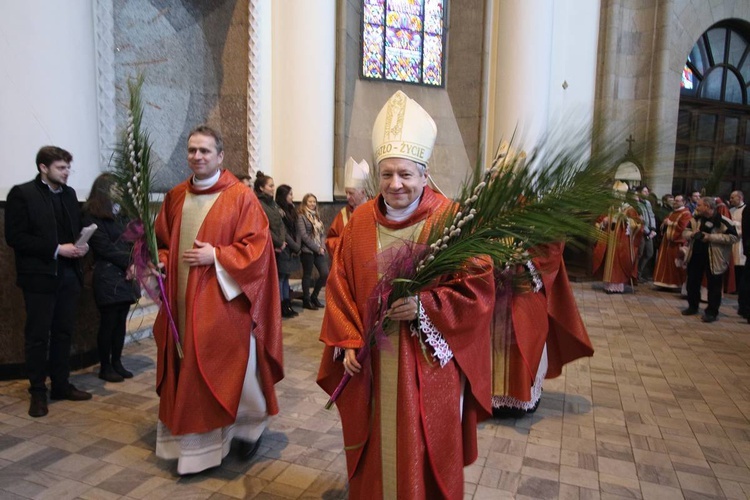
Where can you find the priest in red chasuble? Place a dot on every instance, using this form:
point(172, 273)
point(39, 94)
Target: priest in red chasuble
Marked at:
point(410, 410)
point(223, 294)
point(667, 272)
point(355, 185)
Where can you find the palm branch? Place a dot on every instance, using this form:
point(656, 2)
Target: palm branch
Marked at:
point(507, 213)
point(132, 169)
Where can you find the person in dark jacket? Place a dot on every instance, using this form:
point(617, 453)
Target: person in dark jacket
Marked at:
point(115, 290)
point(264, 190)
point(42, 222)
point(310, 228)
point(288, 260)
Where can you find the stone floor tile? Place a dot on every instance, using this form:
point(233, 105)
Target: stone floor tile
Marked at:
point(662, 411)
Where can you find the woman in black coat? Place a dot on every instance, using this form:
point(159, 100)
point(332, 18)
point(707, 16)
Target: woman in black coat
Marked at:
point(264, 189)
point(288, 261)
point(114, 288)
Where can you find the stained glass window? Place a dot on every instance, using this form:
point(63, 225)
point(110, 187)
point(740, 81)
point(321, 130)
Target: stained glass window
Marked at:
point(403, 40)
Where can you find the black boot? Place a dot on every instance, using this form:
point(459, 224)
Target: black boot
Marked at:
point(38, 406)
point(290, 309)
point(307, 304)
point(314, 300)
point(285, 310)
point(120, 370)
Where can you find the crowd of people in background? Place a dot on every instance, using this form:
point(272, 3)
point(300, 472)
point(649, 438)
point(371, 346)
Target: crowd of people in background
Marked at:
point(691, 243)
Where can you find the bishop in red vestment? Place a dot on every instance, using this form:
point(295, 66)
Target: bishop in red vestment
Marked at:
point(355, 184)
point(410, 410)
point(616, 254)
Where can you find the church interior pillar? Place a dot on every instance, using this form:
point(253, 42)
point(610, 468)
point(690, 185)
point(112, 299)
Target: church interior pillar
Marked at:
point(303, 61)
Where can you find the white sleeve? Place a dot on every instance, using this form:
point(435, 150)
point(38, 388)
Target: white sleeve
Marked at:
point(228, 285)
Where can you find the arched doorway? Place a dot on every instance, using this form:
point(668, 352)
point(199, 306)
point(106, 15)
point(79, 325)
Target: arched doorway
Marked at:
point(713, 130)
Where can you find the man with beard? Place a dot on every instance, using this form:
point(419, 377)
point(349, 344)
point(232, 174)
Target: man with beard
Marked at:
point(42, 222)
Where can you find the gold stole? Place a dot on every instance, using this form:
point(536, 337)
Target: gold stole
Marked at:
point(345, 216)
point(391, 239)
point(194, 211)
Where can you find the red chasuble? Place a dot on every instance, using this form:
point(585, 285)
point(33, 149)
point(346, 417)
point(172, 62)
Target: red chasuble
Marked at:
point(666, 273)
point(337, 228)
point(433, 441)
point(616, 256)
point(549, 317)
point(202, 391)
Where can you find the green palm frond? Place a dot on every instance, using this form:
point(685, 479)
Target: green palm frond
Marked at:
point(517, 205)
point(131, 166)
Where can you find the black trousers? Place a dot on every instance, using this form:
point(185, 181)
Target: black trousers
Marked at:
point(320, 262)
point(743, 290)
point(111, 336)
point(50, 320)
point(698, 267)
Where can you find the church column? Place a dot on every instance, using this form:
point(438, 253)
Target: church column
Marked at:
point(541, 68)
point(303, 86)
point(519, 71)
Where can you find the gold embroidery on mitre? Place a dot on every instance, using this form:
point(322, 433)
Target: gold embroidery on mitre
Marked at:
point(394, 118)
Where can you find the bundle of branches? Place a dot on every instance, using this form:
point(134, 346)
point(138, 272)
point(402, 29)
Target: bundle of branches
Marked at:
point(514, 207)
point(132, 169)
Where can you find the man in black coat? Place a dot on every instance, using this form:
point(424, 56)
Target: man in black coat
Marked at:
point(42, 222)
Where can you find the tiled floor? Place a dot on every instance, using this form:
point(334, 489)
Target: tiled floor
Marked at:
point(661, 411)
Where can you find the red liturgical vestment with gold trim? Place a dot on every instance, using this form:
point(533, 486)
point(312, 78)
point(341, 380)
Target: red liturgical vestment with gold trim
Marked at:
point(436, 408)
point(202, 391)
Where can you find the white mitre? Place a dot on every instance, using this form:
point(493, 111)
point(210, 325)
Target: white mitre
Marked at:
point(403, 129)
point(356, 174)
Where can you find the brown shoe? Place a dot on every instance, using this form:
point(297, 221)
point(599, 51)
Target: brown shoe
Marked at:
point(71, 394)
point(38, 406)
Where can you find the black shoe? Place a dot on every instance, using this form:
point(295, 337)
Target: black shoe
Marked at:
point(505, 412)
point(317, 303)
point(288, 304)
point(307, 304)
point(120, 370)
point(708, 318)
point(38, 406)
point(70, 394)
point(247, 450)
point(689, 311)
point(286, 311)
point(110, 375)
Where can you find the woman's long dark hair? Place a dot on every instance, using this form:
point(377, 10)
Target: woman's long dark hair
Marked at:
point(290, 214)
point(99, 203)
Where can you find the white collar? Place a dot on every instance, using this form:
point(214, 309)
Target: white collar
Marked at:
point(400, 214)
point(56, 191)
point(203, 184)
